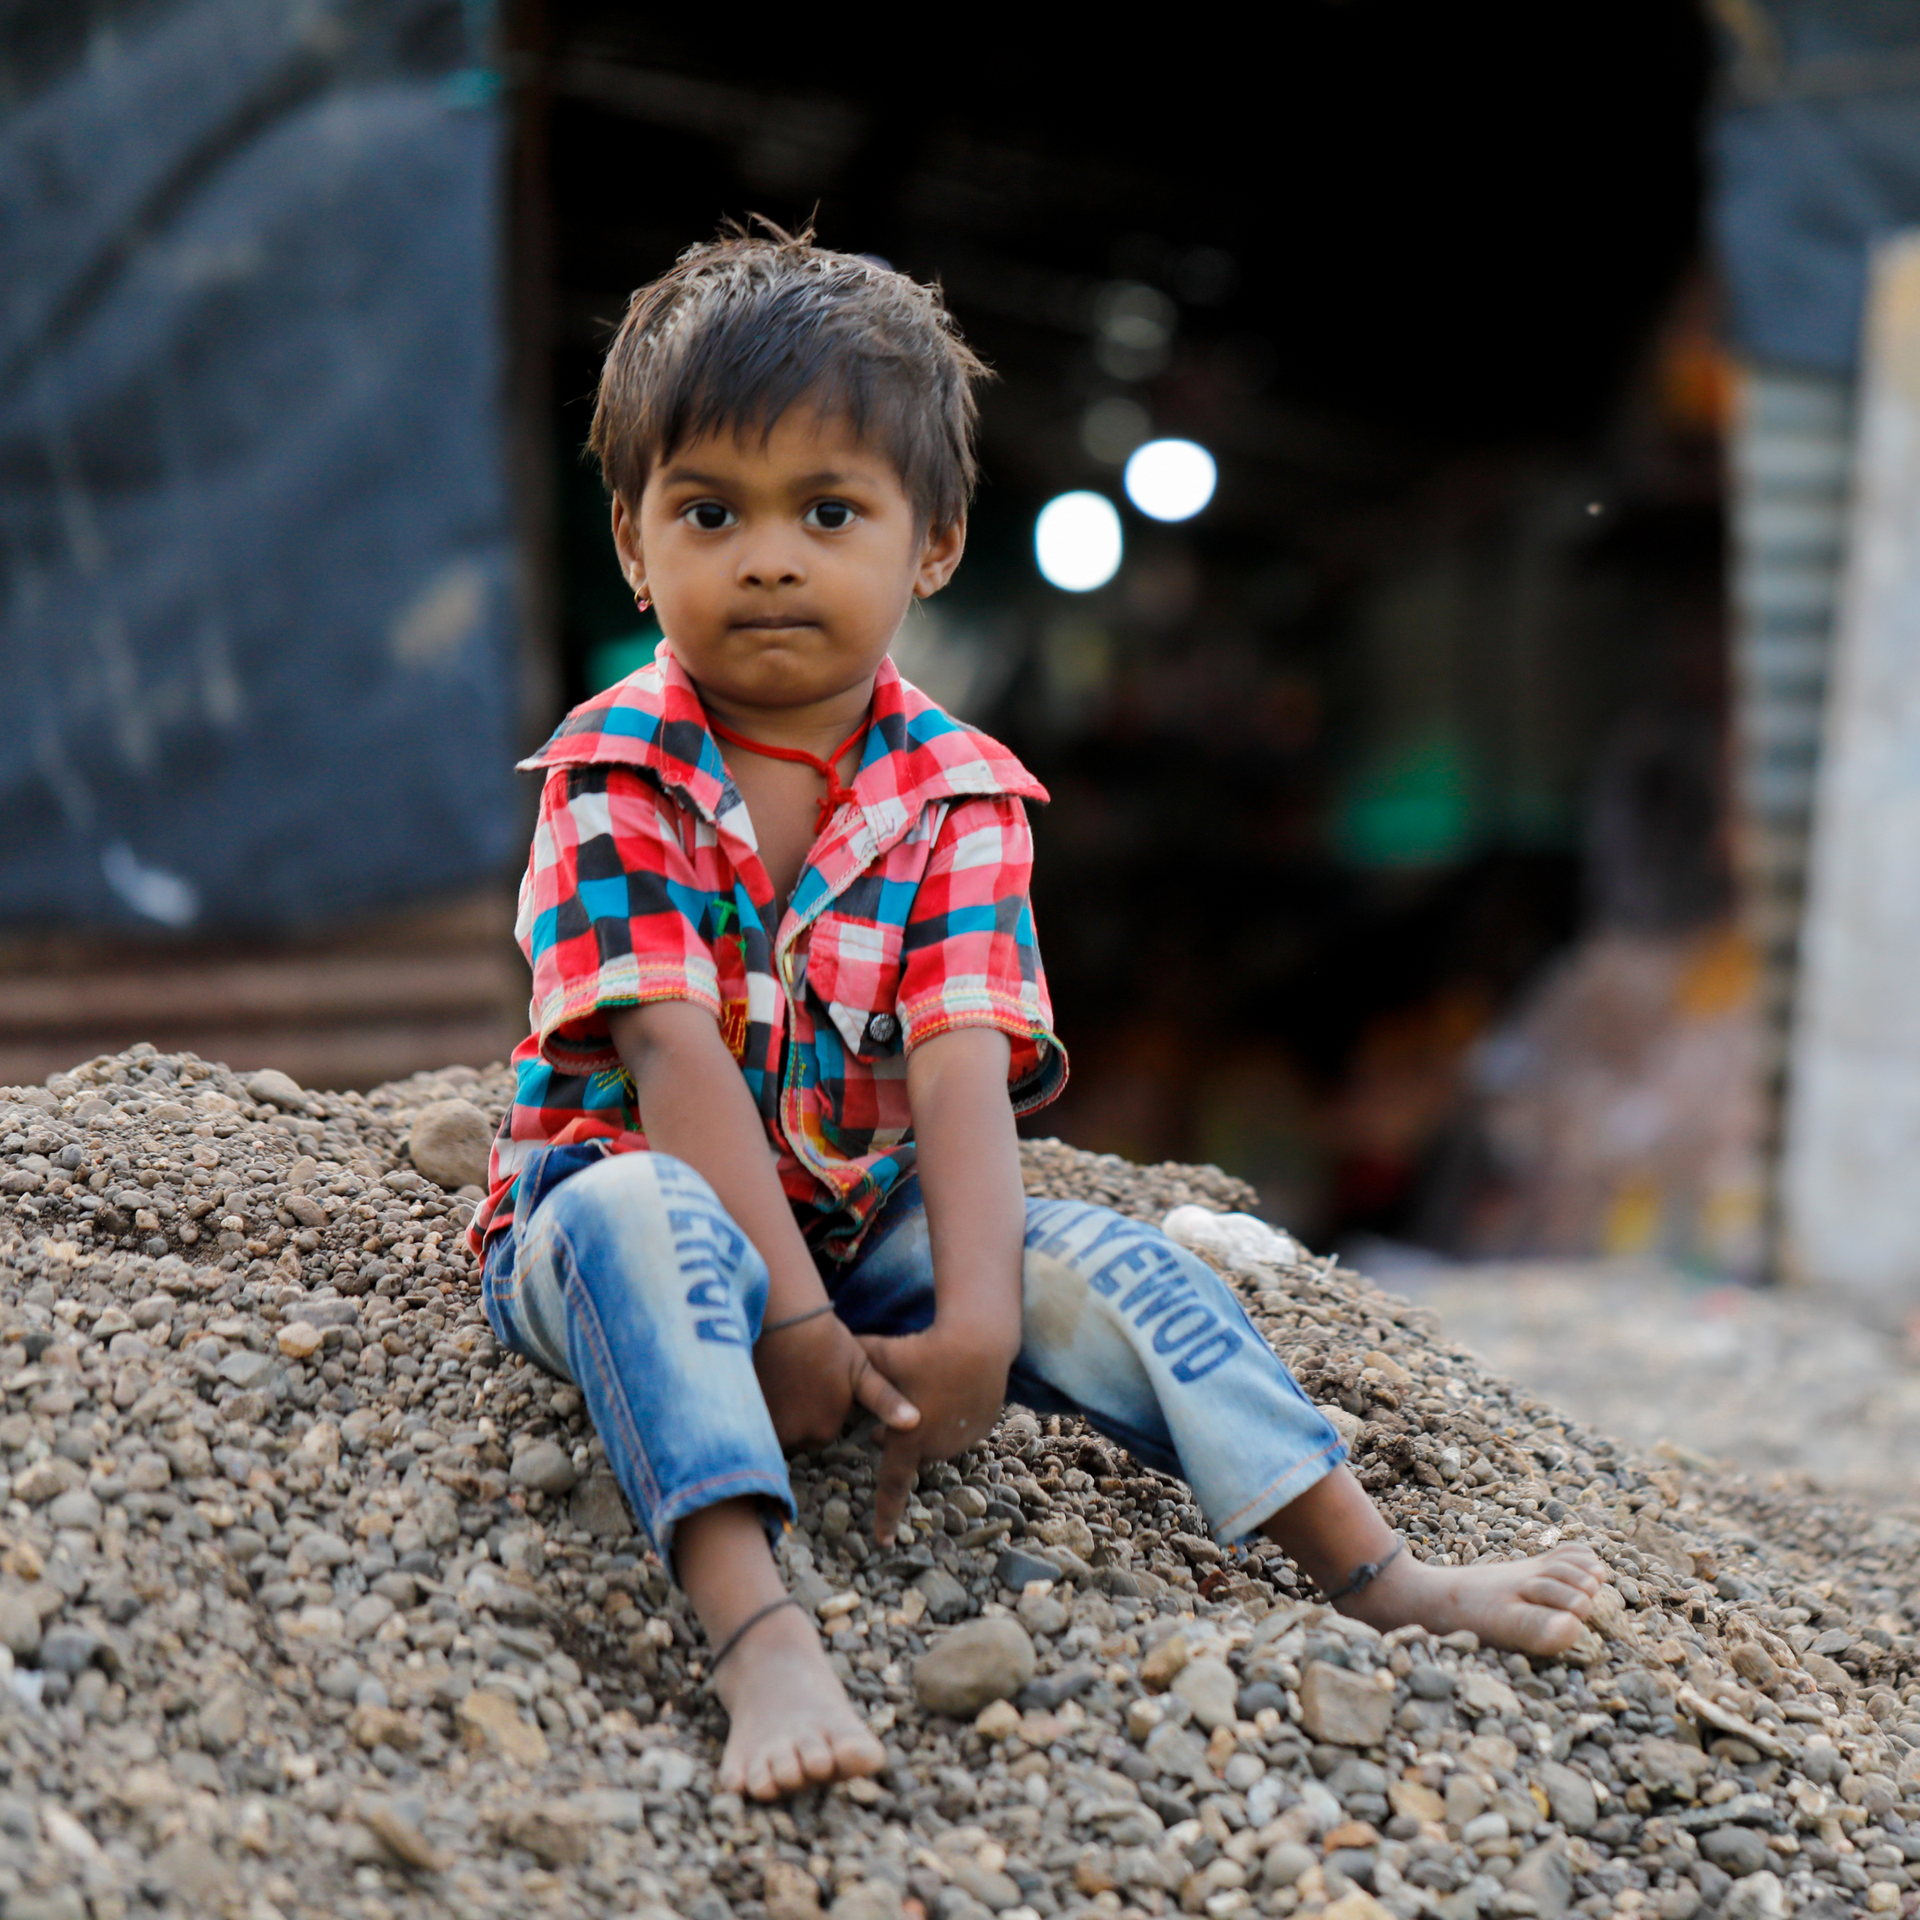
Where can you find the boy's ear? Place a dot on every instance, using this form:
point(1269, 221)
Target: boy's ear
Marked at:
point(626, 541)
point(939, 557)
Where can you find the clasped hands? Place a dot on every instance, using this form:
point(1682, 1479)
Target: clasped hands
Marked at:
point(933, 1392)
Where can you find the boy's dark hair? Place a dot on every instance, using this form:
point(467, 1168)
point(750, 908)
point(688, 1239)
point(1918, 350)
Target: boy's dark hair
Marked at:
point(746, 325)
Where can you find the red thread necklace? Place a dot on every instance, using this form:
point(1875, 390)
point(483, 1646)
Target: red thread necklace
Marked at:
point(828, 769)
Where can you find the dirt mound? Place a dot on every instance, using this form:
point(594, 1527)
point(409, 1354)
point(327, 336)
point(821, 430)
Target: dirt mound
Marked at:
point(312, 1602)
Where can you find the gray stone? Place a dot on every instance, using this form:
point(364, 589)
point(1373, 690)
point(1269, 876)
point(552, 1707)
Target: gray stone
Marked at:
point(617, 1807)
point(77, 1511)
point(46, 1479)
point(970, 1665)
point(56, 1903)
point(1016, 1568)
point(1209, 1688)
point(450, 1143)
point(1343, 1708)
point(1755, 1896)
point(1736, 1850)
point(1049, 1690)
point(867, 1900)
point(70, 1649)
point(956, 1903)
point(1259, 1695)
point(246, 1369)
point(339, 1680)
point(1430, 1683)
point(1666, 1766)
point(368, 1615)
point(1357, 1779)
point(320, 1550)
point(272, 1088)
point(192, 1868)
point(1570, 1796)
point(996, 1891)
point(1545, 1877)
point(1043, 1613)
point(946, 1598)
point(19, 1624)
point(665, 1770)
point(1179, 1753)
point(1286, 1862)
point(544, 1467)
point(222, 1722)
point(599, 1507)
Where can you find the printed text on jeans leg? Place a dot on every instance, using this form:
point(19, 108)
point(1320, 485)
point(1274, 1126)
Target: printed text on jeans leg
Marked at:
point(698, 1250)
point(1167, 1295)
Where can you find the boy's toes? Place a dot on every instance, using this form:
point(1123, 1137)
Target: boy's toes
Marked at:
point(858, 1753)
point(776, 1771)
point(816, 1757)
point(1555, 1629)
point(1579, 1562)
point(1549, 1590)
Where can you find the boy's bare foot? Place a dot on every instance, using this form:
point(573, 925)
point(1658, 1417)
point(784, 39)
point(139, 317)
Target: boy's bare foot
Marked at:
point(793, 1725)
point(1526, 1606)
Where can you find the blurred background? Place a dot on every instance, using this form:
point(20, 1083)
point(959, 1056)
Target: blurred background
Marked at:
point(1419, 491)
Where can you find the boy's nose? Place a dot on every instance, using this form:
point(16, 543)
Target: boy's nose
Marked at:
point(772, 563)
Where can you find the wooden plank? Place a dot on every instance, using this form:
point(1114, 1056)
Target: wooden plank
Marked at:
point(432, 985)
point(331, 1058)
point(252, 993)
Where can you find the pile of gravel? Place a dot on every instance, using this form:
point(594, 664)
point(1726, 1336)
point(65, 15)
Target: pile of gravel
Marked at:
point(313, 1602)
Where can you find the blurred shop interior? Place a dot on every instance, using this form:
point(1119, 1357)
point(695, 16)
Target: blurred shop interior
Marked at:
point(1404, 855)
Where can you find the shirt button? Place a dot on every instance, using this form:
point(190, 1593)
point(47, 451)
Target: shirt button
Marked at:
point(882, 1028)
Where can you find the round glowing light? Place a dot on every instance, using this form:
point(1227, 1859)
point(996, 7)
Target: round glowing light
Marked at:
point(1170, 479)
point(1077, 542)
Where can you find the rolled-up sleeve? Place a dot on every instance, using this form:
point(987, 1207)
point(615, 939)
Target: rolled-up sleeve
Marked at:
point(970, 957)
point(611, 913)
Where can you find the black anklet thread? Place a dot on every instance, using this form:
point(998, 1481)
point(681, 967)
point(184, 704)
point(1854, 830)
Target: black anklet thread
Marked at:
point(1364, 1575)
point(745, 1627)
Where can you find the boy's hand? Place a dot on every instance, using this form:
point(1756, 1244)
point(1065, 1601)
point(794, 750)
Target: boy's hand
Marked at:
point(959, 1387)
point(814, 1374)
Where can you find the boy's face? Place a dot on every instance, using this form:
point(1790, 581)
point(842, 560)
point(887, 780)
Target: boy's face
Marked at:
point(781, 569)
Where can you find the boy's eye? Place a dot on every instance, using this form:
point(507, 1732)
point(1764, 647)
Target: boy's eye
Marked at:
point(829, 516)
point(708, 515)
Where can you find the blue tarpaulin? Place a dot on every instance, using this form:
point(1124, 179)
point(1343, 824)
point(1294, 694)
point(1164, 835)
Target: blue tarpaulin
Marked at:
point(1816, 156)
point(256, 566)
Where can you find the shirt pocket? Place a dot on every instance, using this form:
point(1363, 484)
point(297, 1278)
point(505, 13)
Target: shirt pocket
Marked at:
point(853, 977)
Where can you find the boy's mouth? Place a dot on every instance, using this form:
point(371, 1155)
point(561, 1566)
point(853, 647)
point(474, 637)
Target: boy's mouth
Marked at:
point(773, 623)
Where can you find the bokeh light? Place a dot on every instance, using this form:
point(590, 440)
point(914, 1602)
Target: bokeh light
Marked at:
point(1077, 541)
point(1170, 479)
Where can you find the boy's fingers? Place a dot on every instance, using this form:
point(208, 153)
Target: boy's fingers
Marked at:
point(899, 1464)
point(880, 1396)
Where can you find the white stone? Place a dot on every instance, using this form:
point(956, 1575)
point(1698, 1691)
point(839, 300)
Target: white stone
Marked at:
point(1234, 1239)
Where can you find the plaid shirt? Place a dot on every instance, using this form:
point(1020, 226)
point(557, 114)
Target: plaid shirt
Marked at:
point(910, 919)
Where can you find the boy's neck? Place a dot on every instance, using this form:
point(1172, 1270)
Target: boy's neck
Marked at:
point(818, 727)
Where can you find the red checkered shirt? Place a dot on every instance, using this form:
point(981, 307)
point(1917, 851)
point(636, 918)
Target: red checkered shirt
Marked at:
point(910, 919)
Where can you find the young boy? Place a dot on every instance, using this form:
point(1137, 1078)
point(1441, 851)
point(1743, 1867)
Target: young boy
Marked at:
point(777, 916)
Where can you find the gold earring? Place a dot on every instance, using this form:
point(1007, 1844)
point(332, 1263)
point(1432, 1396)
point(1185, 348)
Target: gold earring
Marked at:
point(641, 600)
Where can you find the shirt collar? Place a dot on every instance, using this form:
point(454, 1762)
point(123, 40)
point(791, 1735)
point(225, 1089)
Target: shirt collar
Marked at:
point(916, 752)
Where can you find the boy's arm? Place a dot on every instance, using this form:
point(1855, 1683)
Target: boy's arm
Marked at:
point(969, 1164)
point(695, 1106)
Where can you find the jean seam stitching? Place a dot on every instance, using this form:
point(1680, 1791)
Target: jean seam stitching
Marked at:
point(593, 1337)
point(1293, 1473)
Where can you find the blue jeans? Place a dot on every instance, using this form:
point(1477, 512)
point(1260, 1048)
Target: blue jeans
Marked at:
point(623, 1274)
